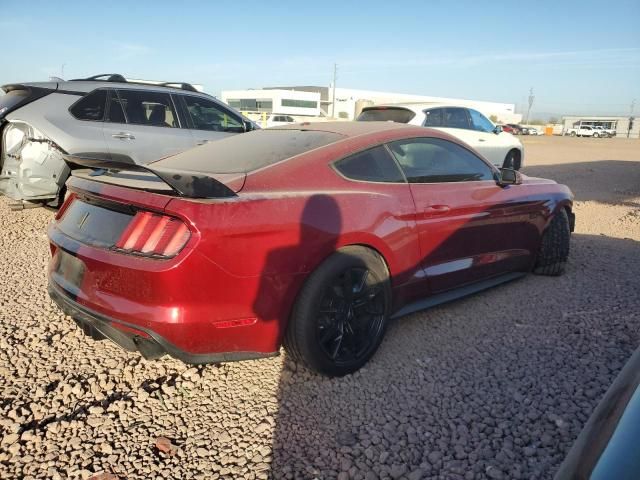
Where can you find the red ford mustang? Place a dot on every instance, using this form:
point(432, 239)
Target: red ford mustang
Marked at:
point(311, 235)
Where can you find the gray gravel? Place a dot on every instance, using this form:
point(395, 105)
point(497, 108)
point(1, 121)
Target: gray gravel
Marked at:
point(495, 386)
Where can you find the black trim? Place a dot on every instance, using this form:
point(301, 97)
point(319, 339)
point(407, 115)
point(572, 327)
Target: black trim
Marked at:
point(456, 294)
point(71, 92)
point(97, 325)
point(185, 184)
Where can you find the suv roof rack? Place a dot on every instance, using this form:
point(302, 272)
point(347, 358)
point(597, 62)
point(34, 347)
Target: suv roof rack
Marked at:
point(116, 77)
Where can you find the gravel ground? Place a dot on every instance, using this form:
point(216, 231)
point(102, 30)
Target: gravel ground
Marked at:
point(494, 386)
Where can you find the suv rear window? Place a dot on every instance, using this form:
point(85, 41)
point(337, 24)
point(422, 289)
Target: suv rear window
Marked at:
point(386, 114)
point(248, 152)
point(91, 106)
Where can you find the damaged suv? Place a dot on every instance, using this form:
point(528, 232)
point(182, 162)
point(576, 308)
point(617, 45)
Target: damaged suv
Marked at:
point(104, 117)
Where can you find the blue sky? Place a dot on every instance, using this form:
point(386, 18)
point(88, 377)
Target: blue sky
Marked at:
point(580, 57)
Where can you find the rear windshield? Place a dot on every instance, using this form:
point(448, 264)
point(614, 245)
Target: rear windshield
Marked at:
point(386, 114)
point(248, 151)
point(11, 99)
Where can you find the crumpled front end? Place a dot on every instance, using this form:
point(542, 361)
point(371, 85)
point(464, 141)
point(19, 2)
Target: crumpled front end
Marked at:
point(31, 165)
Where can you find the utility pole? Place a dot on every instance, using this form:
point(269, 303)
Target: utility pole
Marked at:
point(633, 105)
point(333, 101)
point(62, 71)
point(531, 98)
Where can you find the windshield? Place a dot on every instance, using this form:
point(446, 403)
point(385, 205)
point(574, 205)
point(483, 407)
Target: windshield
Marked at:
point(386, 114)
point(248, 152)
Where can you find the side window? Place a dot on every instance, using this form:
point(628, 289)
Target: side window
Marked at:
point(91, 106)
point(456, 118)
point(115, 112)
point(148, 108)
point(373, 165)
point(433, 118)
point(480, 122)
point(208, 115)
point(433, 160)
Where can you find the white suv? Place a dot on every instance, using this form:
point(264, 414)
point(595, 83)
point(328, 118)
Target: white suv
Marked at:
point(500, 148)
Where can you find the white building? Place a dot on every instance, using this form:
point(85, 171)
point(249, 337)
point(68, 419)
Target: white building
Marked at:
point(623, 126)
point(281, 101)
point(318, 101)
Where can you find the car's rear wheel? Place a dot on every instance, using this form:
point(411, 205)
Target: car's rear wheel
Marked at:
point(341, 313)
point(596, 135)
point(573, 134)
point(554, 251)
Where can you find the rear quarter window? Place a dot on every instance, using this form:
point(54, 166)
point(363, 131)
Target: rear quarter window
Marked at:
point(373, 165)
point(385, 114)
point(91, 106)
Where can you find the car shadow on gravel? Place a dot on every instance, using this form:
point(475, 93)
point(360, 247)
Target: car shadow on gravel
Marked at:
point(588, 180)
point(497, 385)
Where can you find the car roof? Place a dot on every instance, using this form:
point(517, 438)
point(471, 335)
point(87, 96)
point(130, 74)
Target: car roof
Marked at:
point(346, 129)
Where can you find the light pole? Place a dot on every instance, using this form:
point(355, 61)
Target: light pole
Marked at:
point(531, 98)
point(633, 104)
point(333, 101)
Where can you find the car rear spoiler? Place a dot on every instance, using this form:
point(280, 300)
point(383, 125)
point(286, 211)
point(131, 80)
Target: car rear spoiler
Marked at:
point(184, 184)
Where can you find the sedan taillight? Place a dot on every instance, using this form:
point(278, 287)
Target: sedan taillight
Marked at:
point(151, 234)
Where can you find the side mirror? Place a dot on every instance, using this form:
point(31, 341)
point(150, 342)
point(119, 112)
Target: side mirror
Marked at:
point(508, 176)
point(497, 129)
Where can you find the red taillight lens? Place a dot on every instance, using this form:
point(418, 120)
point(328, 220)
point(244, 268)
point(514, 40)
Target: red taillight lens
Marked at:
point(153, 235)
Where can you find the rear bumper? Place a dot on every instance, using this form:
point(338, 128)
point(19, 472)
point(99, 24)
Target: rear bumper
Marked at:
point(136, 338)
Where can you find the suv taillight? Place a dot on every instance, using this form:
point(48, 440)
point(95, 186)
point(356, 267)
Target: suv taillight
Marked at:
point(151, 234)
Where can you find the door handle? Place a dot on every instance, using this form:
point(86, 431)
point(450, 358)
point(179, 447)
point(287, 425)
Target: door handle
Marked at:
point(124, 136)
point(202, 142)
point(482, 140)
point(438, 208)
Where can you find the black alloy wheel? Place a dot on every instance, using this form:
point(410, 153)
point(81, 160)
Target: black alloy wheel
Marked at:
point(351, 316)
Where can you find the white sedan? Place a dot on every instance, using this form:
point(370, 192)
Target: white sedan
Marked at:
point(500, 148)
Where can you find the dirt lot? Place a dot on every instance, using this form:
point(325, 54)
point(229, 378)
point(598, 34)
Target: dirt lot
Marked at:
point(494, 386)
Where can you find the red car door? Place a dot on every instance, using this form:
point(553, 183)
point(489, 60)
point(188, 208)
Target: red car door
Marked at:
point(469, 227)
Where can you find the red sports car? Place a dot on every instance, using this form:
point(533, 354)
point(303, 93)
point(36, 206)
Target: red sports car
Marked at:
point(311, 235)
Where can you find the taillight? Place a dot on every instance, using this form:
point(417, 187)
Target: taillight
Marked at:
point(153, 235)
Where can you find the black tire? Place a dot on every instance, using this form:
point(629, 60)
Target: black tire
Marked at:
point(554, 250)
point(596, 135)
point(512, 160)
point(573, 134)
point(323, 321)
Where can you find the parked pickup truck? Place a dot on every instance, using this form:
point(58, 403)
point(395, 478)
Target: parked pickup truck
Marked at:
point(585, 131)
point(606, 132)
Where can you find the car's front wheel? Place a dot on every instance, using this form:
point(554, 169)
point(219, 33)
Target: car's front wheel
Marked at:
point(554, 250)
point(340, 316)
point(512, 160)
point(596, 135)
